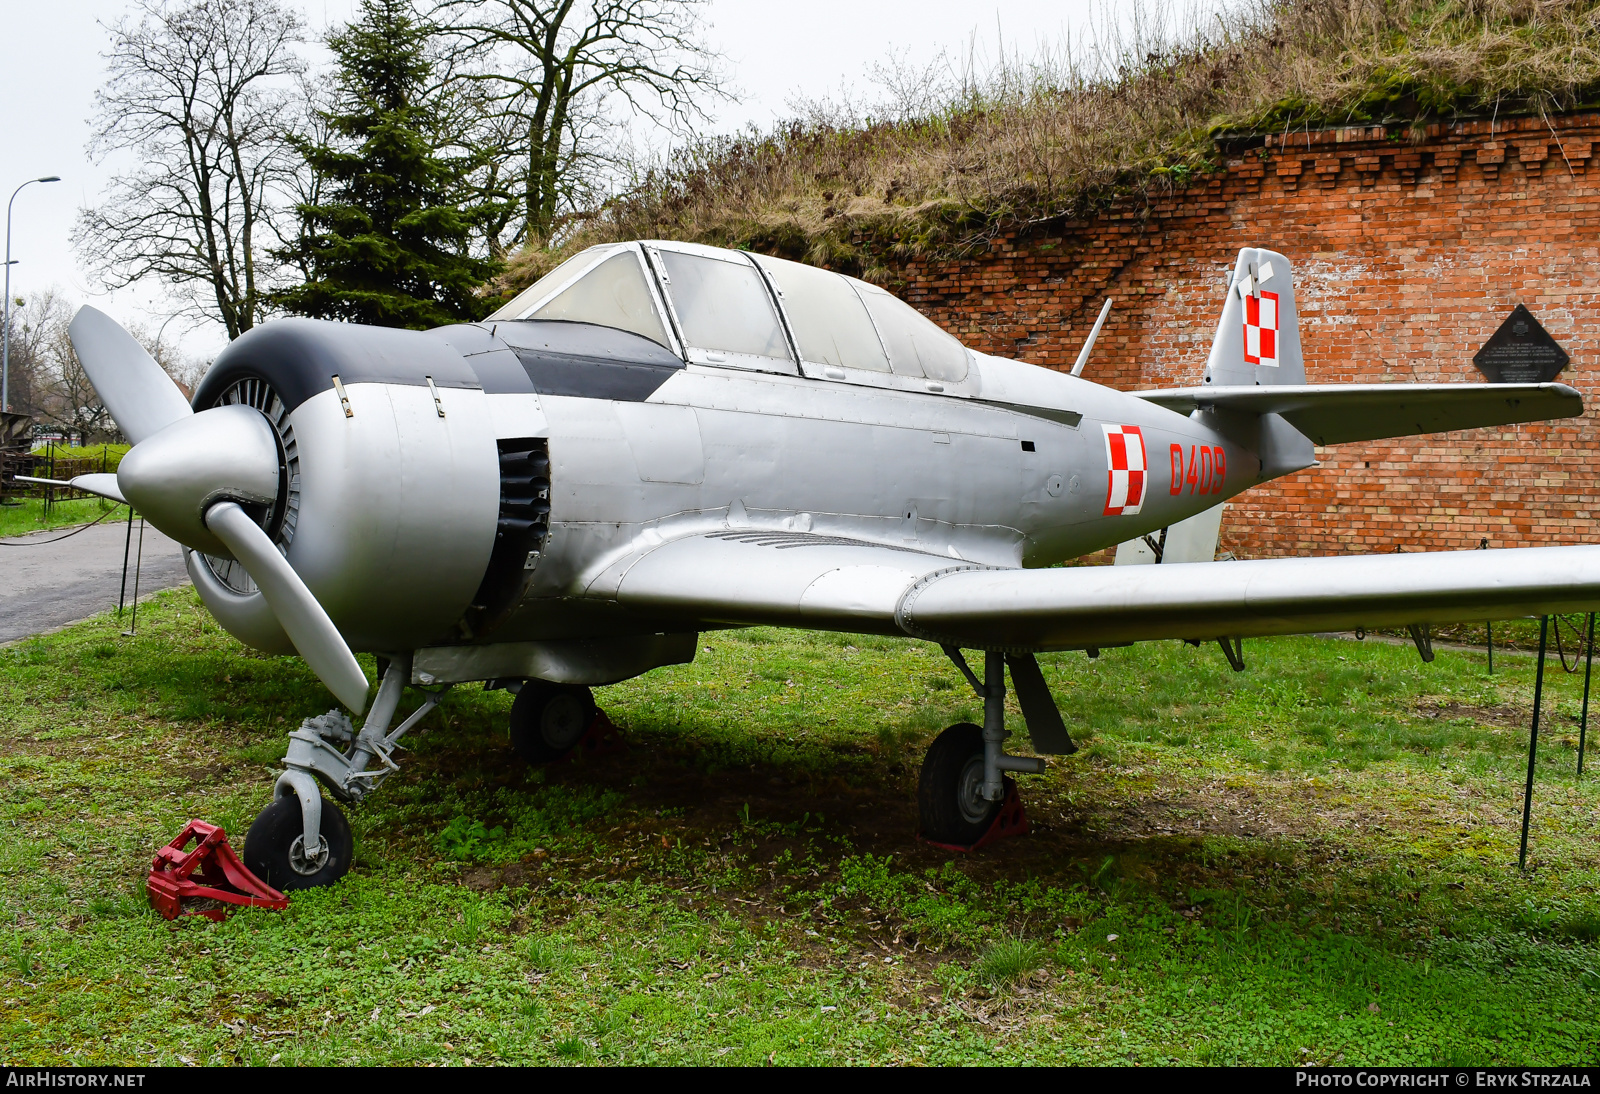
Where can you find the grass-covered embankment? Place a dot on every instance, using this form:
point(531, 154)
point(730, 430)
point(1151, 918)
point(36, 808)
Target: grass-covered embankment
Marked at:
point(953, 156)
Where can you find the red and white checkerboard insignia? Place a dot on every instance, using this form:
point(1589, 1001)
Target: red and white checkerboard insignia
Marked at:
point(1125, 479)
point(1261, 329)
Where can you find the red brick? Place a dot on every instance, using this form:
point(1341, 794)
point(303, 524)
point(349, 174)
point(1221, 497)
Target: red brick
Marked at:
point(1401, 273)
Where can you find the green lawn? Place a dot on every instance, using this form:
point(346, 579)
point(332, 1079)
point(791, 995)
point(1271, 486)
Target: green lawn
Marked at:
point(30, 516)
point(1314, 860)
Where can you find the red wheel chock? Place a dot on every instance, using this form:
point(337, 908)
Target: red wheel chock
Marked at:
point(602, 738)
point(1012, 820)
point(222, 877)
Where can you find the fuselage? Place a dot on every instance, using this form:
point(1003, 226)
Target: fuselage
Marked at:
point(398, 515)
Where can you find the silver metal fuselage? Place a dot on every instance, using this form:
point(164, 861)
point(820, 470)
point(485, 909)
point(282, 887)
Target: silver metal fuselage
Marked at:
point(657, 439)
point(397, 502)
point(717, 448)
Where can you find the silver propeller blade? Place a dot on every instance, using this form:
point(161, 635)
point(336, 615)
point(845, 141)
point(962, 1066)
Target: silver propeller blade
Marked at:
point(226, 452)
point(303, 618)
point(140, 396)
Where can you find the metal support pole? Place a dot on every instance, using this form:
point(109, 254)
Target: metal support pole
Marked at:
point(138, 564)
point(127, 545)
point(5, 351)
point(1533, 744)
point(994, 724)
point(1588, 670)
point(1488, 624)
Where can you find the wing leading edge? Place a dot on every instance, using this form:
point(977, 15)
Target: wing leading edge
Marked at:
point(821, 582)
point(1102, 606)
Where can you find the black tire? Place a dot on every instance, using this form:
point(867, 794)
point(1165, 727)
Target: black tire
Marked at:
point(951, 807)
point(547, 720)
point(270, 851)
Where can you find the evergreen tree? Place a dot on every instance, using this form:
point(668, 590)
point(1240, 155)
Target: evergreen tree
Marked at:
point(387, 239)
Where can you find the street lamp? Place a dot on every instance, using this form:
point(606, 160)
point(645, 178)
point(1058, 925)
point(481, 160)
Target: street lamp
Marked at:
point(5, 352)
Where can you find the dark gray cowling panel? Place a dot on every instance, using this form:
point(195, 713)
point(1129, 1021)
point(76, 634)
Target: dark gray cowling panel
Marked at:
point(300, 357)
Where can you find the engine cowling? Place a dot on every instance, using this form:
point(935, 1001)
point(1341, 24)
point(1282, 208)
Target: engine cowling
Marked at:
point(393, 480)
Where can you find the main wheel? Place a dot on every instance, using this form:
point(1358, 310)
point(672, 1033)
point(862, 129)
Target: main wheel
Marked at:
point(275, 847)
point(950, 792)
point(548, 719)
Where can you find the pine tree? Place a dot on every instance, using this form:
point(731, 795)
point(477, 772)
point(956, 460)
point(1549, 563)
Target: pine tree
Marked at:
point(388, 238)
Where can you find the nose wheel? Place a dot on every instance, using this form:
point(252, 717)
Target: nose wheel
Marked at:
point(275, 847)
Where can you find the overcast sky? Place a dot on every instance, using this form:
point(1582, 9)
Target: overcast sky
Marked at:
point(50, 65)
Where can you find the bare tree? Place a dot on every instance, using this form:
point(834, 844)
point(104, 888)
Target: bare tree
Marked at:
point(29, 371)
point(48, 379)
point(200, 94)
point(557, 79)
point(61, 393)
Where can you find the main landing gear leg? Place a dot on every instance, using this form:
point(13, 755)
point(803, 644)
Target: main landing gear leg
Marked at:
point(301, 840)
point(964, 797)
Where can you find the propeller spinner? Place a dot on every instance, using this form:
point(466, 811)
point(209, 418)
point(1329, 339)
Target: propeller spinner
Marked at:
point(197, 477)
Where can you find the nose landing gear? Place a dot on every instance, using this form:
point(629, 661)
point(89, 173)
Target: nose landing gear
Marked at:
point(302, 840)
point(964, 798)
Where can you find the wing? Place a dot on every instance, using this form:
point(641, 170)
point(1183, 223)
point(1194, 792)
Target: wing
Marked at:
point(1090, 606)
point(789, 579)
point(827, 583)
point(1340, 413)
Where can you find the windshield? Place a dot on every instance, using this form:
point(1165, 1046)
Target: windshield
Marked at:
point(519, 305)
point(613, 294)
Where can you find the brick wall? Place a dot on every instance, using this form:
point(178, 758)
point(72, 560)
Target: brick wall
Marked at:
point(1408, 256)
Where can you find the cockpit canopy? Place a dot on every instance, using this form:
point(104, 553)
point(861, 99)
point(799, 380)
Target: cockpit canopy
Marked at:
point(732, 308)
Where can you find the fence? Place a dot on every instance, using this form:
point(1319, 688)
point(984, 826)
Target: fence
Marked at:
point(47, 465)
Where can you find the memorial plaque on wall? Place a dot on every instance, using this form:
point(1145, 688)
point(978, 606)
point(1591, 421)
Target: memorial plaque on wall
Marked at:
point(1520, 352)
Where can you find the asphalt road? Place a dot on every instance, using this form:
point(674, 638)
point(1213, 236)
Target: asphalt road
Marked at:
point(48, 582)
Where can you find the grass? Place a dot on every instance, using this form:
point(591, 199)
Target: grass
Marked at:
point(955, 155)
point(96, 457)
point(30, 515)
point(1312, 861)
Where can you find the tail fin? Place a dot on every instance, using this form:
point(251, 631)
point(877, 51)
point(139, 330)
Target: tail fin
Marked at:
point(1258, 337)
point(1258, 345)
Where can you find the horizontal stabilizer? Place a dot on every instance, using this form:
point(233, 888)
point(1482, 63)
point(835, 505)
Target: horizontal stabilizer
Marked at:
point(1341, 413)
